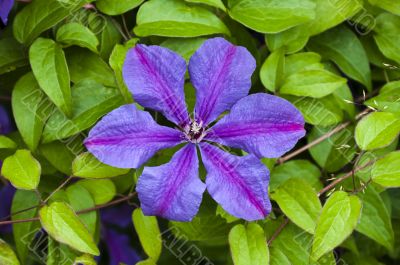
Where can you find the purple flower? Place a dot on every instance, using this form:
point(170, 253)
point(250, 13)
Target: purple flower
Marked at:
point(5, 8)
point(118, 244)
point(6, 195)
point(5, 121)
point(261, 124)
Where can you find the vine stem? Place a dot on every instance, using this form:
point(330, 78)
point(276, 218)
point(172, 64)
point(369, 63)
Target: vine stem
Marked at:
point(95, 208)
point(321, 139)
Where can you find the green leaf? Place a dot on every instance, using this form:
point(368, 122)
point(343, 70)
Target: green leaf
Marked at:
point(61, 154)
point(388, 5)
point(292, 40)
point(22, 170)
point(214, 3)
point(7, 143)
point(322, 111)
point(102, 190)
point(210, 229)
point(298, 201)
point(181, 20)
point(117, 59)
point(291, 246)
point(377, 130)
point(272, 70)
point(51, 71)
point(184, 47)
point(30, 108)
point(271, 16)
point(87, 166)
point(84, 64)
point(41, 15)
point(109, 36)
point(77, 34)
point(343, 47)
point(146, 262)
point(388, 99)
point(248, 245)
point(295, 169)
point(12, 55)
point(331, 13)
point(336, 151)
point(85, 259)
point(375, 219)
point(7, 255)
point(338, 218)
point(90, 102)
point(149, 233)
point(312, 83)
point(387, 35)
point(302, 61)
point(61, 222)
point(24, 233)
point(80, 199)
point(117, 7)
point(386, 171)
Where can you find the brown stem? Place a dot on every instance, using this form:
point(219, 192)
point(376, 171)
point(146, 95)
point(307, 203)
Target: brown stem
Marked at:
point(320, 139)
point(278, 231)
point(117, 201)
point(346, 176)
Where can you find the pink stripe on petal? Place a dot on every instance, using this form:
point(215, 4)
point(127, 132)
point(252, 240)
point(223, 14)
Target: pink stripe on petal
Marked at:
point(173, 190)
point(128, 137)
point(238, 184)
point(221, 74)
point(261, 124)
point(155, 76)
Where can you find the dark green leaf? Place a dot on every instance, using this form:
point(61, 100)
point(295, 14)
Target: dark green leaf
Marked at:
point(12, 55)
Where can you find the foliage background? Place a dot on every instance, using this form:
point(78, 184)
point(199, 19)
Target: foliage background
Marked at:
point(335, 196)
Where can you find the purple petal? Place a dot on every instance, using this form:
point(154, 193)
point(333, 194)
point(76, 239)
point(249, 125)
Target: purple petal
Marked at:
point(5, 121)
point(120, 215)
point(221, 74)
point(261, 124)
point(5, 8)
point(119, 248)
point(238, 184)
point(173, 190)
point(128, 137)
point(155, 76)
point(6, 195)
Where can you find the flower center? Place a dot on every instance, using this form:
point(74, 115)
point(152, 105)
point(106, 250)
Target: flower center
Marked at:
point(195, 132)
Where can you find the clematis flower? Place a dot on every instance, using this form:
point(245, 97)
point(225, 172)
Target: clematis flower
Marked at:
point(262, 125)
point(5, 8)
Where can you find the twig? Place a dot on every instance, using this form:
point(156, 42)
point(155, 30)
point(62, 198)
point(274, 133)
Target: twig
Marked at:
point(278, 231)
point(320, 139)
point(126, 198)
point(58, 188)
point(346, 176)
